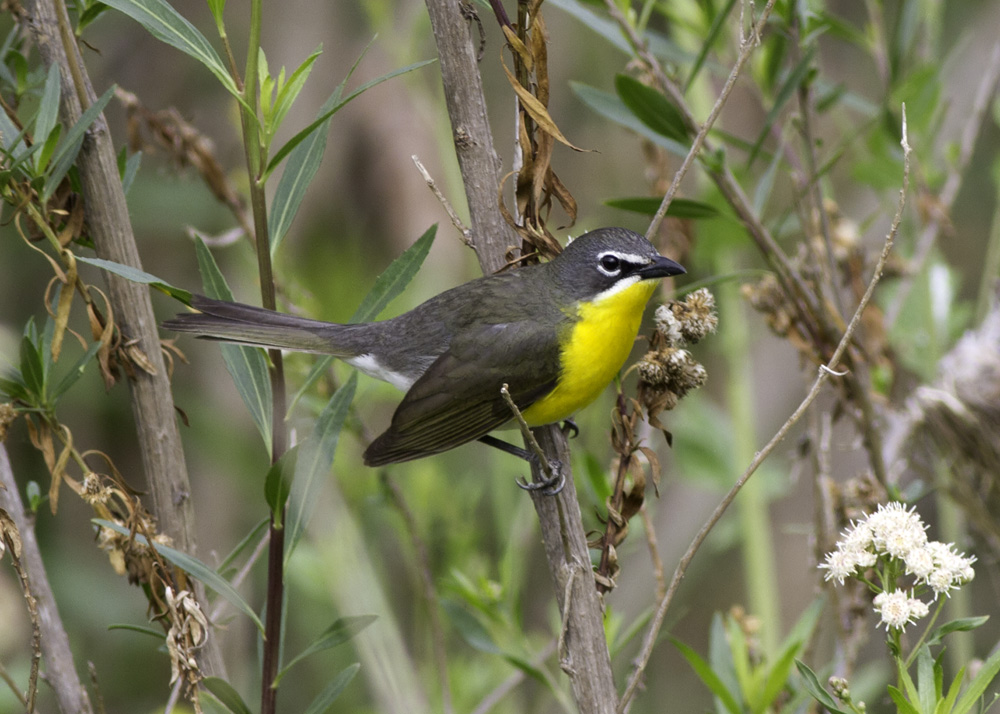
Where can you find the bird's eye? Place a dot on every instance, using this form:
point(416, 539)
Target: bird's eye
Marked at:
point(610, 263)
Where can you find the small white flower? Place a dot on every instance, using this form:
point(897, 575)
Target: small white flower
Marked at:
point(839, 564)
point(918, 608)
point(919, 562)
point(859, 537)
point(895, 609)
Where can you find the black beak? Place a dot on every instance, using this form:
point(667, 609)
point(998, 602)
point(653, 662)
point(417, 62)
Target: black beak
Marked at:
point(661, 268)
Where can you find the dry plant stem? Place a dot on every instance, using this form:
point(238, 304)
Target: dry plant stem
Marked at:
point(787, 275)
point(60, 672)
point(559, 516)
point(427, 584)
point(654, 552)
point(825, 372)
point(107, 216)
point(747, 47)
point(477, 158)
point(949, 192)
point(108, 219)
point(445, 204)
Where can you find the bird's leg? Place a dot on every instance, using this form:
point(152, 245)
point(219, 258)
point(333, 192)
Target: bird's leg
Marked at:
point(569, 428)
point(549, 486)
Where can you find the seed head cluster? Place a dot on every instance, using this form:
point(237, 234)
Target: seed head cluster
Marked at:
point(668, 371)
point(894, 542)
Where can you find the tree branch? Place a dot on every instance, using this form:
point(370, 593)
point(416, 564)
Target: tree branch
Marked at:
point(60, 672)
point(588, 662)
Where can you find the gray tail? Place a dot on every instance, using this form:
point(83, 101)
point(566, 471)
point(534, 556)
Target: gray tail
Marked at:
point(249, 325)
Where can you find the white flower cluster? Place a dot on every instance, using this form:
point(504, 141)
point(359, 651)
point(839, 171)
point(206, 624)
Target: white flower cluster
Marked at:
point(898, 536)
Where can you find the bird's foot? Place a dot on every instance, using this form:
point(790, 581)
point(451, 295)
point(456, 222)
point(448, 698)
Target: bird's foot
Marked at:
point(570, 428)
point(549, 486)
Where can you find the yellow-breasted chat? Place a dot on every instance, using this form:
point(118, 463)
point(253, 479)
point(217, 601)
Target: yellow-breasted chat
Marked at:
point(557, 333)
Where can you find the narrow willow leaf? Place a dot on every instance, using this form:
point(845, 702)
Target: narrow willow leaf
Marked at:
point(395, 278)
point(138, 276)
point(304, 134)
point(902, 706)
point(816, 689)
point(611, 107)
point(708, 677)
point(246, 365)
point(69, 147)
point(329, 695)
point(243, 544)
point(288, 91)
point(652, 107)
point(75, 372)
point(169, 26)
point(344, 629)
point(314, 461)
point(788, 89)
point(277, 485)
point(678, 208)
point(387, 287)
point(48, 108)
point(987, 672)
point(962, 625)
point(226, 694)
point(718, 22)
point(195, 568)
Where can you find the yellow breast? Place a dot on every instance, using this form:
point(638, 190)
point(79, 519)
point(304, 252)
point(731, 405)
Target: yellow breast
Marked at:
point(597, 346)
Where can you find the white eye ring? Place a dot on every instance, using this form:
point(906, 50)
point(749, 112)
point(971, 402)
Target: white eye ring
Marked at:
point(609, 264)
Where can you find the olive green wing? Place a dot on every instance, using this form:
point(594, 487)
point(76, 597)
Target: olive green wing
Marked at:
point(458, 399)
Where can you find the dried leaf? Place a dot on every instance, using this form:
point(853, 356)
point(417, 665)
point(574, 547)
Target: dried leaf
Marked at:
point(9, 533)
point(537, 110)
point(66, 293)
point(518, 47)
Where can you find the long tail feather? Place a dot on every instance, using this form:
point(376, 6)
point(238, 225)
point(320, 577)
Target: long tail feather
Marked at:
point(249, 325)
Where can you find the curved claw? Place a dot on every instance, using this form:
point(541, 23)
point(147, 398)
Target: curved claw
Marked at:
point(569, 427)
point(549, 486)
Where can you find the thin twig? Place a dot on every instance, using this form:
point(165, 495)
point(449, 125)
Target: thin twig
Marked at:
point(949, 192)
point(654, 552)
point(506, 686)
point(240, 576)
point(746, 48)
point(463, 229)
point(529, 438)
point(825, 372)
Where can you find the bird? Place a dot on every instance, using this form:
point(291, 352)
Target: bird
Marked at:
point(556, 332)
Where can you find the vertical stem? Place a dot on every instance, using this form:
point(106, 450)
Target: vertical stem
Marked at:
point(255, 154)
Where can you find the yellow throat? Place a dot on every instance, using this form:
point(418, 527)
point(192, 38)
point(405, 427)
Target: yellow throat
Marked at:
point(595, 348)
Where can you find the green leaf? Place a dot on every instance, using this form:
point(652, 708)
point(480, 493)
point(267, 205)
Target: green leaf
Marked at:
point(718, 22)
point(69, 147)
point(395, 278)
point(13, 386)
point(277, 485)
point(304, 134)
point(43, 157)
point(217, 8)
point(961, 625)
point(816, 689)
point(193, 567)
point(246, 365)
point(946, 705)
point(32, 368)
point(314, 461)
point(979, 683)
point(48, 109)
point(926, 685)
point(243, 544)
point(678, 208)
point(226, 694)
point(902, 706)
point(344, 629)
point(708, 676)
point(652, 107)
point(288, 91)
point(788, 89)
point(138, 276)
point(777, 676)
point(611, 107)
point(387, 287)
point(131, 170)
point(167, 25)
point(470, 628)
point(329, 695)
point(75, 372)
